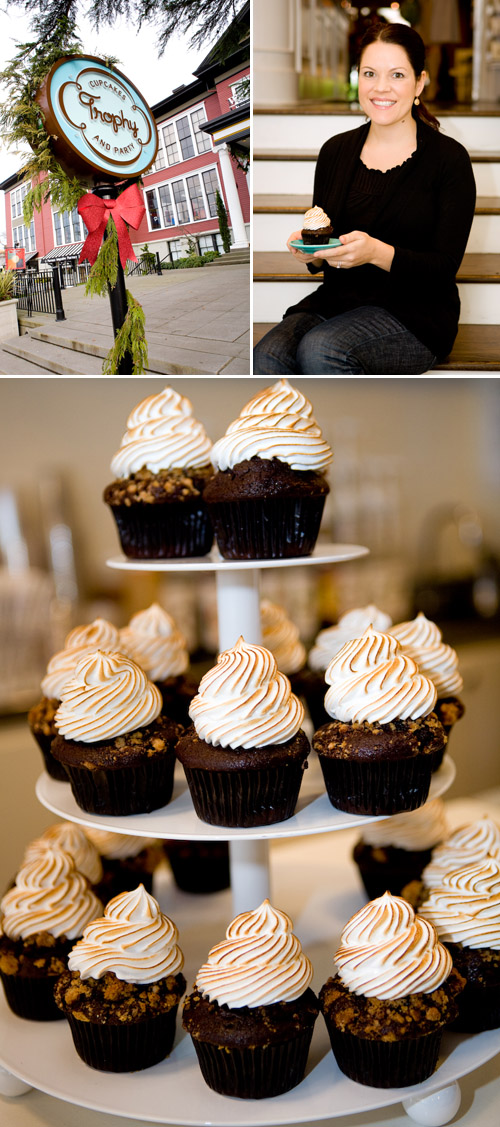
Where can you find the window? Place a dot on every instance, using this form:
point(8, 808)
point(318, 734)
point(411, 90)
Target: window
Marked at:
point(166, 205)
point(68, 227)
point(160, 159)
point(77, 226)
point(183, 215)
point(240, 92)
point(185, 138)
point(211, 184)
point(170, 142)
point(154, 218)
point(203, 141)
point(175, 248)
point(23, 236)
point(196, 197)
point(17, 198)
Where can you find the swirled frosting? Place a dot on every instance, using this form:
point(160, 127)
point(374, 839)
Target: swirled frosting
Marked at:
point(277, 423)
point(260, 962)
point(281, 637)
point(134, 940)
point(372, 679)
point(243, 701)
point(466, 906)
point(413, 829)
point(116, 847)
point(98, 635)
point(74, 840)
point(421, 639)
point(153, 641)
point(108, 695)
point(49, 895)
point(315, 218)
point(466, 846)
point(350, 625)
point(162, 435)
point(386, 951)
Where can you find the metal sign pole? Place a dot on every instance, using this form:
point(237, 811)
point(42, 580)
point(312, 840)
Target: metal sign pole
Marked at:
point(118, 292)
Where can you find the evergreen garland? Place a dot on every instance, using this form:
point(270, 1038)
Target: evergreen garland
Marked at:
point(104, 272)
point(130, 338)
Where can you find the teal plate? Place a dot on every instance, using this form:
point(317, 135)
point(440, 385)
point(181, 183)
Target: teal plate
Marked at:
point(309, 248)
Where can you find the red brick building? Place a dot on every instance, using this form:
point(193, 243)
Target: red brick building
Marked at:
point(204, 132)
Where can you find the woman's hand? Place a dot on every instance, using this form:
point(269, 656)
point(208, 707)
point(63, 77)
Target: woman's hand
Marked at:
point(302, 257)
point(358, 249)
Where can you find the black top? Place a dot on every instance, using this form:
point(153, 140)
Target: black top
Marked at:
point(424, 208)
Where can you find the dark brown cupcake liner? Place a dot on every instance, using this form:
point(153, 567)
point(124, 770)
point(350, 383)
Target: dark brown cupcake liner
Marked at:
point(366, 787)
point(274, 528)
point(52, 766)
point(199, 867)
point(128, 1047)
point(478, 1009)
point(31, 997)
point(248, 798)
point(386, 1064)
point(402, 866)
point(254, 1073)
point(164, 531)
point(122, 791)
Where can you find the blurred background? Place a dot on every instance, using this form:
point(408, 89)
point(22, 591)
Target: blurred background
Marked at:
point(415, 478)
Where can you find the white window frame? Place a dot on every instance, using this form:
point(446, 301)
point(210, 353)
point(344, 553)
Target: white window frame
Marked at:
point(234, 100)
point(74, 238)
point(17, 197)
point(173, 121)
point(193, 172)
point(24, 237)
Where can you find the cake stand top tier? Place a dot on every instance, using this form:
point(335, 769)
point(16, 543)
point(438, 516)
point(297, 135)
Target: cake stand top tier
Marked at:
point(322, 554)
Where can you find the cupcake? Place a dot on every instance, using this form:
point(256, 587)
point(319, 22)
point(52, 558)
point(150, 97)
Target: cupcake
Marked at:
point(123, 985)
point(126, 861)
point(465, 911)
point(116, 745)
point(153, 641)
point(267, 496)
point(199, 866)
point(252, 1013)
point(281, 637)
point(160, 472)
point(316, 227)
point(394, 850)
point(394, 991)
point(421, 640)
point(99, 634)
point(376, 753)
point(465, 846)
point(76, 841)
point(41, 916)
point(245, 753)
point(325, 647)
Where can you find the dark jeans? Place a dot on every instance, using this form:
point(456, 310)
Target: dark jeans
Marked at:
point(363, 341)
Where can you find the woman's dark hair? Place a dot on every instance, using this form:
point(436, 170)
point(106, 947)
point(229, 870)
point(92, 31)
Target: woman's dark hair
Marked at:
point(413, 45)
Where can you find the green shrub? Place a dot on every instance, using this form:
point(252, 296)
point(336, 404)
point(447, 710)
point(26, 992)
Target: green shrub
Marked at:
point(6, 285)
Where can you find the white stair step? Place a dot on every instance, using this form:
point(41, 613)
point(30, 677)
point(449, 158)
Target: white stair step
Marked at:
point(270, 232)
point(285, 130)
point(480, 300)
point(297, 174)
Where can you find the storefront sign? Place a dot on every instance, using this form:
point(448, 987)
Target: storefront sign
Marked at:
point(97, 119)
point(15, 258)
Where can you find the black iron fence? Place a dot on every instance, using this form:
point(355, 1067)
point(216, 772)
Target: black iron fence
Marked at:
point(150, 265)
point(39, 293)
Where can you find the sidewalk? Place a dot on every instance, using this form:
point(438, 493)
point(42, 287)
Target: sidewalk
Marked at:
point(197, 322)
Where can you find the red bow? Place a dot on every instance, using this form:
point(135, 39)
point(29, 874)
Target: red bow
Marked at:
point(95, 212)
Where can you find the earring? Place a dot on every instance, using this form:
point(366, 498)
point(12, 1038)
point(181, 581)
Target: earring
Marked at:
point(416, 102)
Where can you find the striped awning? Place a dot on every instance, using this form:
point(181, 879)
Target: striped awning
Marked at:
point(69, 250)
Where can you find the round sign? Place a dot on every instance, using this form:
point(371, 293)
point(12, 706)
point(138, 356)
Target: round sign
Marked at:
point(97, 119)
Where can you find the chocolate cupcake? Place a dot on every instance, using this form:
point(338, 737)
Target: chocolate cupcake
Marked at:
point(326, 645)
point(154, 642)
point(199, 866)
point(126, 861)
point(316, 228)
point(161, 470)
point(393, 851)
point(267, 497)
point(281, 637)
point(394, 992)
point(465, 911)
point(123, 986)
point(245, 754)
point(41, 916)
point(377, 752)
point(252, 1013)
point(468, 845)
point(116, 745)
point(421, 639)
point(99, 634)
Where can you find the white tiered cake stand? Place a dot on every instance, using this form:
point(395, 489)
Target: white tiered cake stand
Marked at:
point(174, 1092)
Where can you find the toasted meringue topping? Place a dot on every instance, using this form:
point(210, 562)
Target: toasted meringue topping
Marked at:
point(350, 625)
point(277, 423)
point(107, 696)
point(372, 679)
point(413, 829)
point(74, 840)
point(153, 641)
point(98, 635)
point(162, 435)
point(49, 895)
point(466, 846)
point(134, 940)
point(315, 219)
point(116, 847)
point(244, 701)
point(281, 637)
point(260, 962)
point(421, 639)
point(465, 908)
point(386, 951)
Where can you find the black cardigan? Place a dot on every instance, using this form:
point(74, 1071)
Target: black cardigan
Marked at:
point(426, 214)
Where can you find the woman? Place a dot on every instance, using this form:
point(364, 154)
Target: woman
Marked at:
point(400, 196)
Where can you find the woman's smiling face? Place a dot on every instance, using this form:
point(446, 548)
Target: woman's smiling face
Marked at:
point(387, 83)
